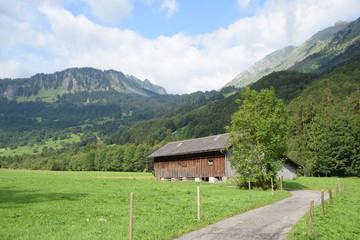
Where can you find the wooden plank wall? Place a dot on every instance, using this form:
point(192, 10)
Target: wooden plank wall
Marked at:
point(190, 166)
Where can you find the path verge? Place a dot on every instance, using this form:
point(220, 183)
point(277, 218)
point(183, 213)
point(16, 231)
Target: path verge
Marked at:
point(269, 222)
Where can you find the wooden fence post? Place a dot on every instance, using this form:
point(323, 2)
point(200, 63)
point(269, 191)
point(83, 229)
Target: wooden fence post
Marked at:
point(322, 202)
point(330, 196)
point(338, 190)
point(310, 221)
point(250, 197)
point(131, 216)
point(198, 203)
point(272, 187)
point(279, 186)
point(345, 188)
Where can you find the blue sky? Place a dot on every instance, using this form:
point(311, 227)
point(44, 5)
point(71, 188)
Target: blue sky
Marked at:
point(191, 17)
point(182, 45)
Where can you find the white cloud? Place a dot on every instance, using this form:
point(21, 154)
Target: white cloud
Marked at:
point(244, 4)
point(110, 11)
point(13, 68)
point(171, 6)
point(180, 63)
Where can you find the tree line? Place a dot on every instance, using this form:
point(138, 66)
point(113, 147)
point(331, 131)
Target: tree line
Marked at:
point(92, 157)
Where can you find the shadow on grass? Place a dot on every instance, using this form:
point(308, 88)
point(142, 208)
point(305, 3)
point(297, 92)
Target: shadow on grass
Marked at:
point(12, 196)
point(294, 185)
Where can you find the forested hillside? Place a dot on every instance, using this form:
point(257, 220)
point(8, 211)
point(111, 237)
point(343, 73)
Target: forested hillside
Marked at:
point(23, 123)
point(102, 113)
point(326, 124)
point(288, 84)
point(184, 123)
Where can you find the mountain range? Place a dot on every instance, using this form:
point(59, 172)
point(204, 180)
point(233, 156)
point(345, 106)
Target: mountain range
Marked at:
point(331, 47)
point(76, 80)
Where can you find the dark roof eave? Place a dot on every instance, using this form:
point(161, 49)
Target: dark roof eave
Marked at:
point(186, 153)
point(294, 162)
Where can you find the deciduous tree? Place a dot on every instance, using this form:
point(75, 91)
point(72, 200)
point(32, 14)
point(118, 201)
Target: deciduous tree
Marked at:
point(258, 133)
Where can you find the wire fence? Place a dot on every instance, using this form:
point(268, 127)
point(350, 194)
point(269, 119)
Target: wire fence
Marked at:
point(338, 189)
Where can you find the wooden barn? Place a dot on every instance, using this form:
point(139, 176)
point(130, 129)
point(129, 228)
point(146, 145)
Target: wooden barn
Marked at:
point(201, 159)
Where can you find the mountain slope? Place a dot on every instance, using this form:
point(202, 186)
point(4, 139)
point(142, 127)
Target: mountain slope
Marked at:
point(326, 49)
point(326, 130)
point(211, 117)
point(76, 80)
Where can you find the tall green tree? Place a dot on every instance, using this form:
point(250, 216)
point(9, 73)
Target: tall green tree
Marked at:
point(88, 161)
point(258, 133)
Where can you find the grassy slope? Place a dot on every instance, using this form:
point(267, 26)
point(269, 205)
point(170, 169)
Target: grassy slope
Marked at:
point(342, 218)
point(49, 95)
point(38, 148)
point(74, 205)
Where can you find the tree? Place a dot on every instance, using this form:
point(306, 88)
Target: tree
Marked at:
point(88, 162)
point(141, 161)
point(128, 160)
point(258, 133)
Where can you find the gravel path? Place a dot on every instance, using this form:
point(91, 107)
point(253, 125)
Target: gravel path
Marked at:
point(270, 222)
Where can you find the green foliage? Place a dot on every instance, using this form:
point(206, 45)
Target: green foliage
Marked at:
point(326, 130)
point(287, 84)
point(35, 148)
point(258, 136)
point(188, 121)
point(104, 112)
point(87, 138)
point(341, 218)
point(95, 205)
point(92, 157)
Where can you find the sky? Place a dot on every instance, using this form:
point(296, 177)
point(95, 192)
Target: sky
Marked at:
point(181, 45)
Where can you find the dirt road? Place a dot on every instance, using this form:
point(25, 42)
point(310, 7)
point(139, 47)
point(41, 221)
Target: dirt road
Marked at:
point(270, 222)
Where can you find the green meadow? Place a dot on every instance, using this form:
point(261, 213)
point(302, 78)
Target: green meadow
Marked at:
point(341, 219)
point(38, 148)
point(95, 205)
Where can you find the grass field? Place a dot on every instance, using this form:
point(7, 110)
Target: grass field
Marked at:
point(38, 148)
point(342, 218)
point(95, 205)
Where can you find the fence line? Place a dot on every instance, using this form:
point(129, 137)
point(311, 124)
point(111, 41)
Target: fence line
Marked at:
point(311, 215)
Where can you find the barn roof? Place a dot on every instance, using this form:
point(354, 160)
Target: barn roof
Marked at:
point(198, 145)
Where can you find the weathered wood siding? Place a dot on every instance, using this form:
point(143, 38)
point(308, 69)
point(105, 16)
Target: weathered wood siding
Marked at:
point(287, 171)
point(190, 166)
point(229, 170)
